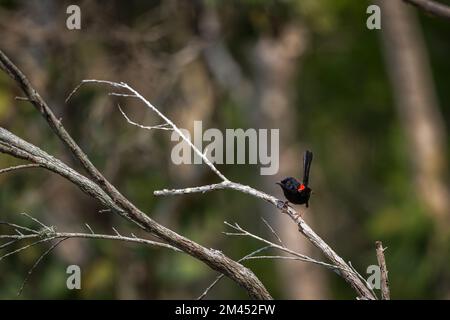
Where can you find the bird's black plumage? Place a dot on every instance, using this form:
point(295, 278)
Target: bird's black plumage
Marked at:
point(298, 192)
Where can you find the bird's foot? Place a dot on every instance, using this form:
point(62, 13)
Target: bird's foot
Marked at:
point(283, 205)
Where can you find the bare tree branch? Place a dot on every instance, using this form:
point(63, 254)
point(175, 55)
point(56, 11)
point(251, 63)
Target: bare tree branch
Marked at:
point(16, 147)
point(431, 7)
point(49, 233)
point(270, 245)
point(102, 190)
point(159, 113)
point(105, 192)
point(55, 124)
point(346, 271)
point(385, 294)
point(299, 256)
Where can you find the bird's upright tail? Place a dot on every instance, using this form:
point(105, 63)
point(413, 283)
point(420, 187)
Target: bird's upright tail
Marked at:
point(307, 159)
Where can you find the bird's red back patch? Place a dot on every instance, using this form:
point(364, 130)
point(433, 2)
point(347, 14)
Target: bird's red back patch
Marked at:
point(301, 187)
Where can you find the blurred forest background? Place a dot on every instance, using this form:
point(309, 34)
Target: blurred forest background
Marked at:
point(373, 106)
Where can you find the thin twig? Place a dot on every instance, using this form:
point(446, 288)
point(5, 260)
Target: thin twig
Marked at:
point(9, 243)
point(272, 230)
point(274, 258)
point(121, 95)
point(25, 247)
point(21, 98)
point(90, 229)
point(41, 257)
point(19, 167)
point(80, 235)
point(35, 220)
point(160, 126)
point(13, 225)
point(116, 232)
point(302, 257)
point(159, 113)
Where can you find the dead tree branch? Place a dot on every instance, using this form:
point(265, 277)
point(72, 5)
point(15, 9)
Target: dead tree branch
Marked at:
point(292, 255)
point(49, 233)
point(385, 294)
point(347, 273)
point(101, 189)
point(298, 256)
point(111, 198)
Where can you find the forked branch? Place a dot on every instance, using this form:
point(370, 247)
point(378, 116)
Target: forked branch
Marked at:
point(45, 233)
point(346, 271)
point(112, 199)
point(101, 189)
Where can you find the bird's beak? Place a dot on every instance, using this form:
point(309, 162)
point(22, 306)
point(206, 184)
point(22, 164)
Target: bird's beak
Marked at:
point(278, 183)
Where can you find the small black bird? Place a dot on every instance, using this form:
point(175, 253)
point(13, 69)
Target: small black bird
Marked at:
point(294, 191)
